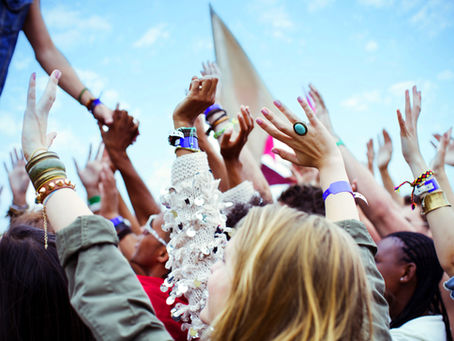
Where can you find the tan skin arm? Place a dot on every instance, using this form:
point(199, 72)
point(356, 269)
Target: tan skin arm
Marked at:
point(50, 58)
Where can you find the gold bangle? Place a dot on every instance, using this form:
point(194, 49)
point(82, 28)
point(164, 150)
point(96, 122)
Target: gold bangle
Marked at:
point(433, 201)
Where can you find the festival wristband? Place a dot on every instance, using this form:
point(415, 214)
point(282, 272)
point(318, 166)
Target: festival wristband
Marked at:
point(117, 220)
point(428, 186)
point(338, 187)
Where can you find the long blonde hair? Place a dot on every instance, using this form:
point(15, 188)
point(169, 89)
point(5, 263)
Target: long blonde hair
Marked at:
point(296, 277)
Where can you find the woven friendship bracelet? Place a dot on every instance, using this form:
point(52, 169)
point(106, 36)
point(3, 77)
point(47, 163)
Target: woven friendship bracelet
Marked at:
point(418, 181)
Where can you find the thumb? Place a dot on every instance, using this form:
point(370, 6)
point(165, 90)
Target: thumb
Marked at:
point(50, 138)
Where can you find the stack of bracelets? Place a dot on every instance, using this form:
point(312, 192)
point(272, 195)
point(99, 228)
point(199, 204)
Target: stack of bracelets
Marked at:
point(47, 174)
point(185, 138)
point(427, 188)
point(218, 120)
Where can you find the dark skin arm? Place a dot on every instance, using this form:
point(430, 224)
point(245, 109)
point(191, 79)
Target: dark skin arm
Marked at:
point(120, 135)
point(231, 148)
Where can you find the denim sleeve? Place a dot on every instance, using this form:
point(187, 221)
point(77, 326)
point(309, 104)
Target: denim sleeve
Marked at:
point(449, 285)
point(380, 310)
point(103, 288)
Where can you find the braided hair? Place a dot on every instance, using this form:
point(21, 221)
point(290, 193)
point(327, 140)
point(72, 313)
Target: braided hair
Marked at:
point(420, 250)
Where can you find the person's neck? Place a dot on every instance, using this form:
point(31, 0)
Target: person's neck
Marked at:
point(400, 301)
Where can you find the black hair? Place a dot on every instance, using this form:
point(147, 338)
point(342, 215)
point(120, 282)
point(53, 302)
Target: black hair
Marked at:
point(239, 210)
point(306, 198)
point(420, 250)
point(34, 300)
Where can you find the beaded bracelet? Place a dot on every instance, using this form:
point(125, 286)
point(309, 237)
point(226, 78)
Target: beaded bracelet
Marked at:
point(79, 98)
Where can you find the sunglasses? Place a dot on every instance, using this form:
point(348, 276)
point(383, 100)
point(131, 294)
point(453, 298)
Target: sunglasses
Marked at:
point(148, 229)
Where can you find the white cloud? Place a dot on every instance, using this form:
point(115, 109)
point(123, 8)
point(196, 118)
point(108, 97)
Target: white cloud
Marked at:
point(371, 46)
point(277, 18)
point(361, 101)
point(445, 75)
point(11, 125)
point(152, 35)
point(376, 3)
point(21, 64)
point(72, 28)
point(434, 16)
point(398, 89)
point(316, 5)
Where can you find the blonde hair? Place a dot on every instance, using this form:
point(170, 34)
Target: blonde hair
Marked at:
point(296, 277)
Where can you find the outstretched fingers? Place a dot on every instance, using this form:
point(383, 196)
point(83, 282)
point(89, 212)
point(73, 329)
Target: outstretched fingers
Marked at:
point(48, 98)
point(277, 122)
point(273, 131)
point(403, 128)
point(308, 111)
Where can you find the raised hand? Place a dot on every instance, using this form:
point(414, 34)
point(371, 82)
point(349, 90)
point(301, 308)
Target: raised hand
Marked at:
point(439, 160)
point(385, 151)
point(121, 133)
point(90, 174)
point(34, 129)
point(18, 177)
point(103, 114)
point(370, 155)
point(408, 127)
point(231, 149)
point(109, 193)
point(201, 95)
point(320, 109)
point(315, 149)
point(211, 69)
point(449, 154)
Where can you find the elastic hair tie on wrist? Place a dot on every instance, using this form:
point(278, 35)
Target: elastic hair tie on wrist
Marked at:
point(79, 98)
point(340, 143)
point(418, 181)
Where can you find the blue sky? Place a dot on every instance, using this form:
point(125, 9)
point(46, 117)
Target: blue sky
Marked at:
point(361, 54)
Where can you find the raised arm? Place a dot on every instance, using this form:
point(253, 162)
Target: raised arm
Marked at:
point(231, 147)
point(382, 211)
point(445, 152)
point(50, 58)
point(384, 154)
point(18, 182)
point(103, 289)
point(117, 139)
point(439, 214)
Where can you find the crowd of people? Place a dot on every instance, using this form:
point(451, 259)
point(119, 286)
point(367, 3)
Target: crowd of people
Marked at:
point(337, 257)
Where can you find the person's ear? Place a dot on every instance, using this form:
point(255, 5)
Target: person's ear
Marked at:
point(163, 256)
point(409, 273)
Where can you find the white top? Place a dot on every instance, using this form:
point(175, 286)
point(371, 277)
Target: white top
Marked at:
point(424, 328)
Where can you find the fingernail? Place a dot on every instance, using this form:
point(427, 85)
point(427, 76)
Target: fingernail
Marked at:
point(258, 120)
point(57, 74)
point(265, 111)
point(34, 75)
point(277, 103)
point(299, 99)
point(274, 151)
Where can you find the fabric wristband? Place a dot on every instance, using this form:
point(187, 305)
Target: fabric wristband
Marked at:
point(94, 199)
point(123, 230)
point(428, 186)
point(117, 220)
point(338, 187)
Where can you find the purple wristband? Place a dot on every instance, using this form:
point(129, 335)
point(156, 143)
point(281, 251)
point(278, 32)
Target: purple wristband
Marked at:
point(337, 187)
point(95, 102)
point(117, 220)
point(188, 142)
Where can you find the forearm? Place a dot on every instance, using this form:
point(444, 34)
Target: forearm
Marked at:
point(126, 213)
point(217, 167)
point(389, 185)
point(382, 211)
point(340, 206)
point(235, 172)
point(252, 172)
point(443, 181)
point(141, 199)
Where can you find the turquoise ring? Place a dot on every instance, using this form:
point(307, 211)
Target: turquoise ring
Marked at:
point(300, 128)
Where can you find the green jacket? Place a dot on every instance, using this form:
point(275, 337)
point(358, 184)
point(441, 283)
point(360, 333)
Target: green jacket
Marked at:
point(380, 309)
point(103, 289)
